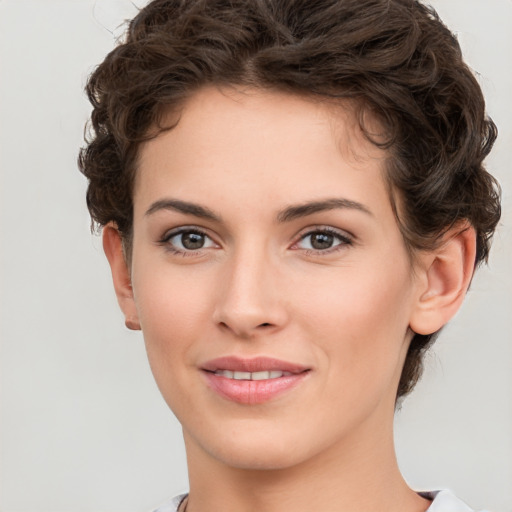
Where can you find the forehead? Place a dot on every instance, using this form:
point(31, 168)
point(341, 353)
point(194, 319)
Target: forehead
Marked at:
point(267, 111)
point(250, 143)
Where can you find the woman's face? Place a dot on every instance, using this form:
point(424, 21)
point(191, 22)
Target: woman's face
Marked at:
point(270, 278)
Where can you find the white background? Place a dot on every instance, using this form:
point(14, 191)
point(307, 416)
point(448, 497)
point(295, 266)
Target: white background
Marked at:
point(83, 427)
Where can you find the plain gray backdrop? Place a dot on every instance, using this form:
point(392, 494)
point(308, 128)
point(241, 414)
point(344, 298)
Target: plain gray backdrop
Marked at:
point(83, 427)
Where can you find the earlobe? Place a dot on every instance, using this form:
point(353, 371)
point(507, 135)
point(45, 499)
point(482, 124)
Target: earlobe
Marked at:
point(446, 275)
point(113, 247)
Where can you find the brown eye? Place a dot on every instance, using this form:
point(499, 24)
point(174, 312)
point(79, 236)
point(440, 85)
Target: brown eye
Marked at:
point(186, 240)
point(323, 239)
point(192, 241)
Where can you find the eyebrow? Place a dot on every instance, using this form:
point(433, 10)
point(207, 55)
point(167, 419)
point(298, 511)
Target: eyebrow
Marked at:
point(302, 210)
point(288, 214)
point(183, 207)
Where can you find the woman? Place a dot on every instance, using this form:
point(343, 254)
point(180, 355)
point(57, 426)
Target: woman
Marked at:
point(293, 203)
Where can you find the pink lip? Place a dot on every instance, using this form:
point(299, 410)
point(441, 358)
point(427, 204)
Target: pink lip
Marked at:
point(252, 391)
point(256, 364)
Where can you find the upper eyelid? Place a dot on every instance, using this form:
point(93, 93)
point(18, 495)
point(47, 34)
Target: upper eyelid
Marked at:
point(330, 229)
point(346, 239)
point(165, 240)
point(303, 233)
point(170, 233)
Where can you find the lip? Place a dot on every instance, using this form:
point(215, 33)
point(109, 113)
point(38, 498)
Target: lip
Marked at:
point(252, 392)
point(255, 364)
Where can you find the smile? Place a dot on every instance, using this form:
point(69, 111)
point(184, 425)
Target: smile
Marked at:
point(252, 381)
point(263, 375)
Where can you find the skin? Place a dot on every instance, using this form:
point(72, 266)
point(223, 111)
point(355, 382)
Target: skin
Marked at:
point(257, 287)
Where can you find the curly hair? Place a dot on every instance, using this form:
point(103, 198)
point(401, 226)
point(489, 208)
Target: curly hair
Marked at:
point(392, 58)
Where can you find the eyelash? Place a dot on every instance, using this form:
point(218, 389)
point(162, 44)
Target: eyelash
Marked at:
point(165, 241)
point(344, 239)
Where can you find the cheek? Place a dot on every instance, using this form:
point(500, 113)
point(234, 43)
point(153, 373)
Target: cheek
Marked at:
point(173, 309)
point(359, 322)
point(358, 298)
point(169, 300)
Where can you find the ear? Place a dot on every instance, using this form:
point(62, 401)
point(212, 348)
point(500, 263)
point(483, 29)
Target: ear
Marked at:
point(444, 278)
point(112, 245)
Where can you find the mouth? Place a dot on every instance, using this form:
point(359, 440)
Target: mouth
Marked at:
point(263, 375)
point(252, 381)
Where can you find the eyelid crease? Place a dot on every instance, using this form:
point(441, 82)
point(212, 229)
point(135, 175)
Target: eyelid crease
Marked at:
point(165, 239)
point(345, 239)
point(183, 229)
point(321, 228)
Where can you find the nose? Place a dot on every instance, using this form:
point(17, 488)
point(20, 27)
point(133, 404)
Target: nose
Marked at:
point(250, 299)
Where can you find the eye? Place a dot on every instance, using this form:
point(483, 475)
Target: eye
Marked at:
point(322, 240)
point(187, 240)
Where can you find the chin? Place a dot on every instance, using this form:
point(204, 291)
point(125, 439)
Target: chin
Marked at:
point(261, 459)
point(256, 450)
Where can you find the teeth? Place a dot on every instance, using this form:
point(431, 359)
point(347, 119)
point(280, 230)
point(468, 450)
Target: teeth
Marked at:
point(264, 375)
point(242, 375)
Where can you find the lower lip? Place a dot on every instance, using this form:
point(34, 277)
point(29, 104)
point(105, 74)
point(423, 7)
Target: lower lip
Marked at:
point(253, 391)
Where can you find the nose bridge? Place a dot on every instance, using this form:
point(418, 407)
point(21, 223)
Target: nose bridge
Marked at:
point(248, 298)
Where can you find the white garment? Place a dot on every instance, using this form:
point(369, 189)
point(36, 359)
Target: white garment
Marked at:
point(442, 501)
point(171, 506)
point(445, 501)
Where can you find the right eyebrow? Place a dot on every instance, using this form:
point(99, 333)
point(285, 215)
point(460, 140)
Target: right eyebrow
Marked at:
point(183, 207)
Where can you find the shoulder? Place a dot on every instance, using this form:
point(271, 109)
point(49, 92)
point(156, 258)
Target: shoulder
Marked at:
point(172, 505)
point(446, 501)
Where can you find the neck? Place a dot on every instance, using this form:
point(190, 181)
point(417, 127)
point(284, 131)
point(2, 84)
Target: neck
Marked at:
point(356, 475)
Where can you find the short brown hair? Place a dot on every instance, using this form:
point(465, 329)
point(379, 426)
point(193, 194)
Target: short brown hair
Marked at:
point(393, 58)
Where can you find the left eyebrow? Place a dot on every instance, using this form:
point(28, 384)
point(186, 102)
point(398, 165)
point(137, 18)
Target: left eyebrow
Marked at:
point(303, 210)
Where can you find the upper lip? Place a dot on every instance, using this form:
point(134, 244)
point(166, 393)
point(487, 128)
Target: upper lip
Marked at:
point(256, 364)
